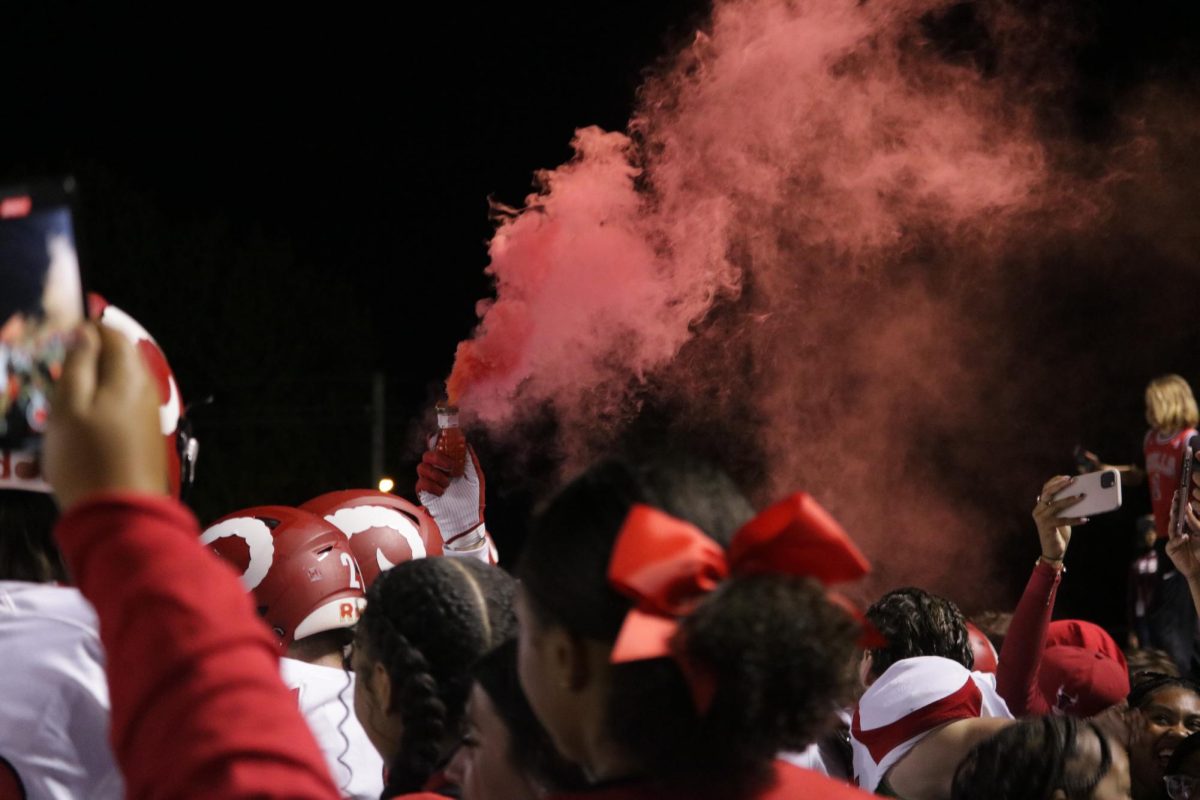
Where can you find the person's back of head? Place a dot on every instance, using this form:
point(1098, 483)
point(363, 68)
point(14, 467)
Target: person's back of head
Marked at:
point(1145, 661)
point(426, 623)
point(1056, 757)
point(771, 648)
point(917, 623)
point(27, 550)
point(1170, 404)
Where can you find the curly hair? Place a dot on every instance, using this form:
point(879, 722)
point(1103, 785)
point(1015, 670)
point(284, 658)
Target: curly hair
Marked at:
point(1031, 759)
point(428, 621)
point(778, 650)
point(917, 623)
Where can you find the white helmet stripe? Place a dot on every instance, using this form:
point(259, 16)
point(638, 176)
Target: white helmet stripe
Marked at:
point(381, 560)
point(256, 534)
point(362, 518)
point(168, 412)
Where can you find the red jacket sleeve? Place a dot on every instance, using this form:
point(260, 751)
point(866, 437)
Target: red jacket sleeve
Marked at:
point(1021, 656)
point(198, 709)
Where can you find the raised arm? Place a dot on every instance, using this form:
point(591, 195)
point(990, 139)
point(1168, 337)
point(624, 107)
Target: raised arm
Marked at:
point(198, 709)
point(1021, 656)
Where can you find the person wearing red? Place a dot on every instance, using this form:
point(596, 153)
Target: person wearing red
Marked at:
point(1172, 415)
point(198, 709)
point(1069, 666)
point(668, 656)
point(54, 701)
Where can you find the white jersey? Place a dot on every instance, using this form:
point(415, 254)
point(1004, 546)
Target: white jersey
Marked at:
point(54, 708)
point(326, 698)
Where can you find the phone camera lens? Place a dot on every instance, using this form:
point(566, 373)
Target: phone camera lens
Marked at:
point(1107, 480)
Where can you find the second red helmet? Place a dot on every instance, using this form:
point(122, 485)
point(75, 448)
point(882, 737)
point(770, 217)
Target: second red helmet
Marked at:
point(384, 530)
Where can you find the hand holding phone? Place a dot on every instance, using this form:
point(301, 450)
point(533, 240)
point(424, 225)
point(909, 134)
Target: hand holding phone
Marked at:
point(1183, 495)
point(1099, 493)
point(1183, 544)
point(1055, 517)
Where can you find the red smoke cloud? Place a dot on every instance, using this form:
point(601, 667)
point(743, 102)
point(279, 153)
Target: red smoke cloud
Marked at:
point(803, 225)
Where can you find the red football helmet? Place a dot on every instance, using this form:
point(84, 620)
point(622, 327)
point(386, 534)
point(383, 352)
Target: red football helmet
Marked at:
point(384, 530)
point(182, 447)
point(986, 658)
point(22, 470)
point(298, 567)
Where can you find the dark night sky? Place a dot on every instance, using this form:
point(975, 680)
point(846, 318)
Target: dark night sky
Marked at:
point(290, 199)
point(258, 181)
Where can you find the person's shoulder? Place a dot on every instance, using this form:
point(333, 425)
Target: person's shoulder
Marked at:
point(48, 603)
point(796, 782)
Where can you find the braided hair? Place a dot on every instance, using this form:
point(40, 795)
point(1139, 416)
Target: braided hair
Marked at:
point(1032, 759)
point(427, 622)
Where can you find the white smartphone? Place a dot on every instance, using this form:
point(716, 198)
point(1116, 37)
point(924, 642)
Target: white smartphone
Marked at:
point(1103, 490)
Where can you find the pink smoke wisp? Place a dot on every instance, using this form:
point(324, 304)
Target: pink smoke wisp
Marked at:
point(849, 193)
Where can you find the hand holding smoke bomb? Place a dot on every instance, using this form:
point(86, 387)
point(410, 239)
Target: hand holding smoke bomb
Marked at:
point(450, 443)
point(450, 485)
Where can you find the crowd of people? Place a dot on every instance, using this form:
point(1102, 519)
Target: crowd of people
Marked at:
point(658, 638)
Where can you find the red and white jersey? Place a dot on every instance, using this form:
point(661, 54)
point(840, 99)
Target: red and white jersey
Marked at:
point(54, 707)
point(326, 699)
point(1164, 457)
point(910, 700)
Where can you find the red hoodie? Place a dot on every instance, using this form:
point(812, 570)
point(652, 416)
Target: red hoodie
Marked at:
point(198, 708)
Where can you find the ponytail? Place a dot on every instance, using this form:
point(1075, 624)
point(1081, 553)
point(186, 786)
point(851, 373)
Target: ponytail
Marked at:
point(427, 622)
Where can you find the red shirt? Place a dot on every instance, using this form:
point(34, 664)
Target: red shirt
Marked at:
point(1164, 456)
point(198, 708)
point(791, 783)
point(1021, 656)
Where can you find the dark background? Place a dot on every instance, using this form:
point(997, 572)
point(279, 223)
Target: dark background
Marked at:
point(291, 201)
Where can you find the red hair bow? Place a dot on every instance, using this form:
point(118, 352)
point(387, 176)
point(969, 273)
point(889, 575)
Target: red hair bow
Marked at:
point(666, 566)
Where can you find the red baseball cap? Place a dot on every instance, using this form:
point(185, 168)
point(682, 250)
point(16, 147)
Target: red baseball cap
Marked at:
point(1083, 671)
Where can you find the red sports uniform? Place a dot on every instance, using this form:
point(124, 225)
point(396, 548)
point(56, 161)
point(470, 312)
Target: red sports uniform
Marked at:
point(1164, 457)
